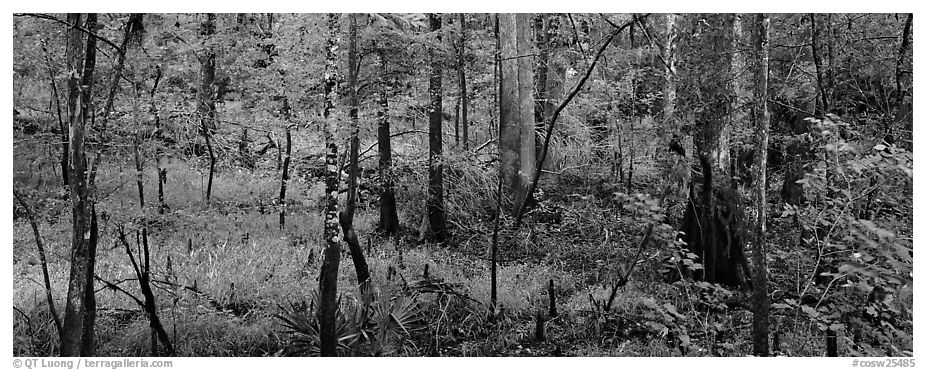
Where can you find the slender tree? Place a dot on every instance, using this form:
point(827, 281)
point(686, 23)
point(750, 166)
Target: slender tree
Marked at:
point(542, 36)
point(328, 276)
point(818, 66)
point(346, 217)
point(903, 111)
point(738, 111)
point(131, 34)
point(551, 124)
point(73, 54)
point(668, 55)
point(284, 178)
point(139, 171)
point(516, 105)
point(435, 200)
point(760, 287)
point(77, 338)
point(388, 217)
point(206, 107)
point(40, 247)
point(461, 71)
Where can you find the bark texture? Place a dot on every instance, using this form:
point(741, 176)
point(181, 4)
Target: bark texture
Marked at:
point(760, 287)
point(388, 217)
point(437, 230)
point(328, 276)
point(516, 131)
point(77, 338)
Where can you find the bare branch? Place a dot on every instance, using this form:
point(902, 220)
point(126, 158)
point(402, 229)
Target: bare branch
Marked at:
point(82, 29)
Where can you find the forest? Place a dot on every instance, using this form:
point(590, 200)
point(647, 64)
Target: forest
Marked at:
point(460, 185)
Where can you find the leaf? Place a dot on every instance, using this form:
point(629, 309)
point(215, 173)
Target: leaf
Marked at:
point(685, 339)
point(880, 147)
point(671, 308)
point(810, 311)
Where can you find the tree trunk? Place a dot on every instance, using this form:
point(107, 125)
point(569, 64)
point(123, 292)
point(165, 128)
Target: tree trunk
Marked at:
point(541, 28)
point(669, 92)
point(206, 107)
point(516, 131)
point(162, 172)
point(77, 338)
point(668, 55)
point(818, 66)
point(142, 269)
point(133, 29)
point(284, 178)
point(760, 288)
point(162, 180)
point(388, 217)
point(353, 124)
point(40, 247)
point(435, 199)
point(738, 116)
point(328, 276)
point(73, 52)
point(555, 90)
point(346, 217)
point(713, 215)
point(139, 172)
point(904, 110)
point(461, 67)
point(532, 182)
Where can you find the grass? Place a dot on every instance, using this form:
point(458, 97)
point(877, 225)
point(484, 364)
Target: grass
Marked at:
point(242, 266)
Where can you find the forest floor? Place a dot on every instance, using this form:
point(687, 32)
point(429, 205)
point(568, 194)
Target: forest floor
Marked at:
point(226, 270)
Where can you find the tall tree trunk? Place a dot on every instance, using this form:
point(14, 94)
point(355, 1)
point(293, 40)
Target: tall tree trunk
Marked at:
point(77, 338)
point(818, 66)
point(40, 247)
point(668, 55)
point(162, 172)
point(284, 178)
point(541, 28)
point(388, 217)
point(738, 115)
point(347, 216)
point(328, 276)
point(555, 90)
point(132, 32)
point(903, 110)
point(206, 107)
point(713, 214)
point(461, 67)
point(353, 124)
point(139, 172)
point(551, 125)
point(435, 200)
point(516, 131)
point(634, 92)
point(669, 92)
point(760, 288)
point(73, 52)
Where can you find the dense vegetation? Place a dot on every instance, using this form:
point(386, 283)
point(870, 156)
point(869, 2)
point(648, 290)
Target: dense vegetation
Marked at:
point(462, 184)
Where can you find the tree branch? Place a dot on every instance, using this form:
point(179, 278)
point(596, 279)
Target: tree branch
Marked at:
point(549, 133)
point(41, 248)
point(82, 29)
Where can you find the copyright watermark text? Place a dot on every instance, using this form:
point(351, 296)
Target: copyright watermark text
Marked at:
point(88, 363)
point(885, 362)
